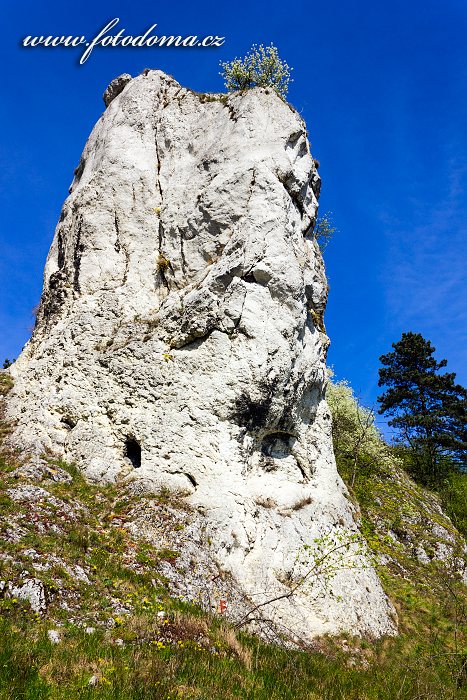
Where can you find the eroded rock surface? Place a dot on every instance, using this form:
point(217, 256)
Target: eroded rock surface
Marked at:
point(179, 342)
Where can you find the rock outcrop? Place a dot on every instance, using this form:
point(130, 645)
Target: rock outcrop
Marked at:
point(179, 343)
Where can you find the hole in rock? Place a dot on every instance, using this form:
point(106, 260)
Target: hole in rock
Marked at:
point(69, 422)
point(133, 452)
point(277, 445)
point(192, 480)
point(253, 413)
point(189, 478)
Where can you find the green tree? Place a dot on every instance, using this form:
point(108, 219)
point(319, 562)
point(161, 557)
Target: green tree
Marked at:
point(261, 67)
point(427, 408)
point(357, 443)
point(324, 231)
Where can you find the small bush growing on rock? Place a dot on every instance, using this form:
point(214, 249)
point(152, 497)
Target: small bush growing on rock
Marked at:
point(324, 231)
point(261, 67)
point(163, 263)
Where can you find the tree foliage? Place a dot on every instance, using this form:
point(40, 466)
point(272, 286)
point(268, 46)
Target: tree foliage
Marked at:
point(324, 231)
point(358, 445)
point(261, 67)
point(427, 408)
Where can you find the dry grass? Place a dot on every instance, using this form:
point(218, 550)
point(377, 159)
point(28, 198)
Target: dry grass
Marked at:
point(229, 637)
point(163, 263)
point(302, 503)
point(189, 626)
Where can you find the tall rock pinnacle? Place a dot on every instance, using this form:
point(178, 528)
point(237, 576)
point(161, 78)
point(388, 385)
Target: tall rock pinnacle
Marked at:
point(179, 342)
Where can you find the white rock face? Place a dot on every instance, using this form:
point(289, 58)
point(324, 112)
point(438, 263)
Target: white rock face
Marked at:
point(32, 591)
point(180, 344)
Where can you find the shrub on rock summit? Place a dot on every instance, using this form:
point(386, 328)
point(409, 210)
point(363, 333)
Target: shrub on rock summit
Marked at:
point(261, 67)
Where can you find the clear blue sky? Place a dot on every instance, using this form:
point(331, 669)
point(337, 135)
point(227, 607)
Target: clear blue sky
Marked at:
point(382, 86)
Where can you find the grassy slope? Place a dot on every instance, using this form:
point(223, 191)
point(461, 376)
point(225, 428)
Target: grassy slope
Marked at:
point(184, 653)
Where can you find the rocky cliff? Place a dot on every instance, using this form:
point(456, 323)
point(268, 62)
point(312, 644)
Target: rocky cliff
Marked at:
point(180, 346)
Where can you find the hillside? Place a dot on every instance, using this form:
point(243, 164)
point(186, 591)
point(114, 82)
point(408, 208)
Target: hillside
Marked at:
point(89, 610)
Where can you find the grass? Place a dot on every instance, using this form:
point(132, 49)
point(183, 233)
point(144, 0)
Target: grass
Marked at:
point(33, 667)
point(404, 527)
point(453, 494)
point(148, 644)
point(187, 653)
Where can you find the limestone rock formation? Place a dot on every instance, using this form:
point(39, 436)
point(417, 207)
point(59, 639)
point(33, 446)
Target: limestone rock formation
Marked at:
point(180, 344)
point(115, 88)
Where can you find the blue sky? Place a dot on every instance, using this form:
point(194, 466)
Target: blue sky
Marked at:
point(382, 87)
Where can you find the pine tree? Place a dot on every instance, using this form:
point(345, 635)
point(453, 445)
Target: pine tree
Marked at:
point(427, 408)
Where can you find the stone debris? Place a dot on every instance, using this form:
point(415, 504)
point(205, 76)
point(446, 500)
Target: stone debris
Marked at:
point(32, 591)
point(54, 636)
point(39, 470)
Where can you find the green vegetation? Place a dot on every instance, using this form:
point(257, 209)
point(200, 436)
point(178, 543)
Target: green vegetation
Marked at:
point(358, 446)
point(6, 384)
point(453, 494)
point(324, 231)
point(261, 67)
point(34, 668)
point(428, 409)
point(144, 643)
point(419, 555)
